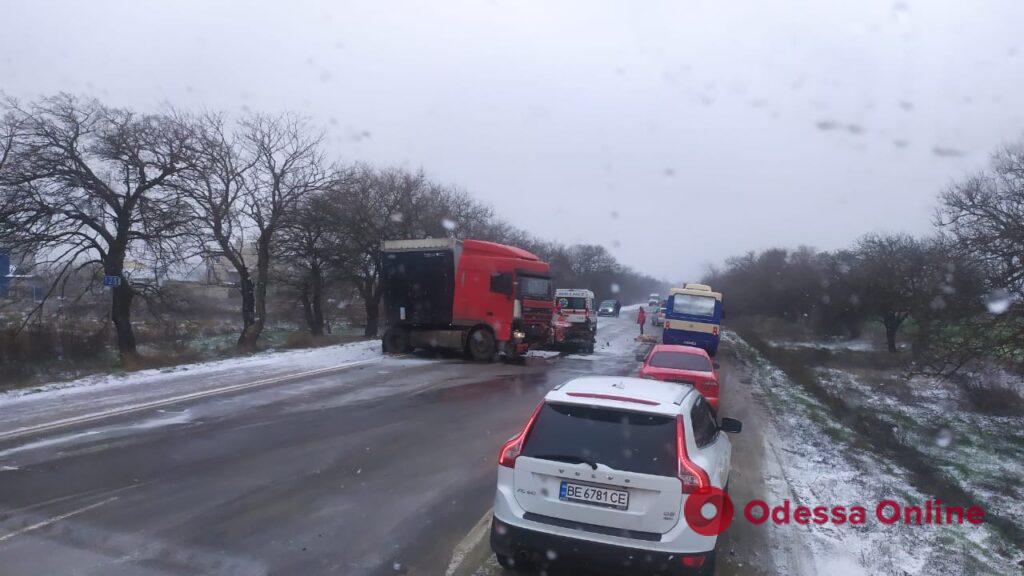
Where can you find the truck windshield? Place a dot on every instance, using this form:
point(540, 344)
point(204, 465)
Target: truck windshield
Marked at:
point(608, 304)
point(693, 305)
point(534, 288)
point(571, 302)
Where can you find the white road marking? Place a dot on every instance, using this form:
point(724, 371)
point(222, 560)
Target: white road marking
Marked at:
point(176, 399)
point(56, 519)
point(471, 541)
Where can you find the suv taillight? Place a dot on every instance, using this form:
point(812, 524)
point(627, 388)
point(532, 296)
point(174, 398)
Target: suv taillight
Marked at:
point(693, 477)
point(511, 449)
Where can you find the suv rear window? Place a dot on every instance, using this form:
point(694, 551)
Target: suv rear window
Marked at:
point(680, 361)
point(627, 441)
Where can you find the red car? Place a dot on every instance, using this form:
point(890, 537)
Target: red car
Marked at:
point(685, 364)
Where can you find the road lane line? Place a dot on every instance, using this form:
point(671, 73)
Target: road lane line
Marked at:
point(27, 430)
point(469, 544)
point(56, 519)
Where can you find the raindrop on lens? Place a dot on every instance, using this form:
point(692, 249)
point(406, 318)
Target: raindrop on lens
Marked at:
point(944, 438)
point(998, 302)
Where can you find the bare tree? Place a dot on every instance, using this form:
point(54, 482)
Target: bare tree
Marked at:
point(84, 183)
point(984, 217)
point(366, 207)
point(894, 275)
point(307, 258)
point(215, 189)
point(249, 182)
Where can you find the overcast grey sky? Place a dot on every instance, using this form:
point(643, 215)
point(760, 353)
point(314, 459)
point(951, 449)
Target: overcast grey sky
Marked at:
point(676, 134)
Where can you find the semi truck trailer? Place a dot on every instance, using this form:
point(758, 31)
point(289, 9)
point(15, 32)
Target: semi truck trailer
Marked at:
point(481, 298)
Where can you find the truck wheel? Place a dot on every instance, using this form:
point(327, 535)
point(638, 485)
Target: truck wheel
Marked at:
point(481, 345)
point(396, 341)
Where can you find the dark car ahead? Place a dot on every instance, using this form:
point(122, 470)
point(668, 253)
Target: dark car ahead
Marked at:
point(609, 308)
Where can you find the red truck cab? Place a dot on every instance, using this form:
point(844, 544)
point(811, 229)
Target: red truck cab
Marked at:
point(480, 297)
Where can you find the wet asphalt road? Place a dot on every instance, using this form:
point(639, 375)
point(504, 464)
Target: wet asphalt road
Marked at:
point(380, 469)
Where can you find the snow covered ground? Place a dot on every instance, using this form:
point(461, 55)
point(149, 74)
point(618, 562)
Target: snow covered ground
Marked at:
point(306, 359)
point(854, 345)
point(822, 463)
point(25, 408)
point(984, 453)
point(28, 407)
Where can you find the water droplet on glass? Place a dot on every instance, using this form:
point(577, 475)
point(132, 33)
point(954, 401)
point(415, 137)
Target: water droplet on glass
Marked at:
point(551, 554)
point(943, 438)
point(448, 224)
point(998, 301)
point(614, 288)
point(397, 217)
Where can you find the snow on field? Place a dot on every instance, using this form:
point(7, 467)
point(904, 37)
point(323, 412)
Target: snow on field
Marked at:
point(983, 453)
point(820, 465)
point(853, 345)
point(256, 365)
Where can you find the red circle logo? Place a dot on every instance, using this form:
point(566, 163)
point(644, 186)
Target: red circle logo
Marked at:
point(708, 512)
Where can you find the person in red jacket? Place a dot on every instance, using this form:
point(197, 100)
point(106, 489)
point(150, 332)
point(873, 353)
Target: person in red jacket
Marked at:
point(641, 319)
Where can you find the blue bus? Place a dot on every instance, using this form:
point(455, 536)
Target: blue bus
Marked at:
point(693, 317)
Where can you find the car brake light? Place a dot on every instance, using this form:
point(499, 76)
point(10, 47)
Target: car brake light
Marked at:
point(693, 477)
point(511, 449)
point(693, 561)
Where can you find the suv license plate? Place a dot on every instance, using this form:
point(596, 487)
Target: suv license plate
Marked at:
point(594, 495)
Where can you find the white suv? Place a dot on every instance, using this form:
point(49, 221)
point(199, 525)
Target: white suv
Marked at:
point(599, 476)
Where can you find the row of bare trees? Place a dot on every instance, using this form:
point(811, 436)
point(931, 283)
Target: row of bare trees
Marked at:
point(88, 187)
point(962, 287)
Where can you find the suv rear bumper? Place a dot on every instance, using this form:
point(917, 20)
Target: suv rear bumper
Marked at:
point(543, 549)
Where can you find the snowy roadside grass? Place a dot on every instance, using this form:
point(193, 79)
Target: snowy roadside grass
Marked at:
point(984, 453)
point(854, 345)
point(824, 464)
point(299, 360)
